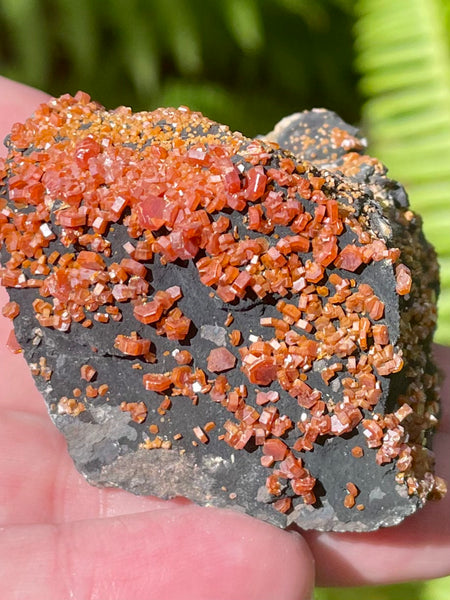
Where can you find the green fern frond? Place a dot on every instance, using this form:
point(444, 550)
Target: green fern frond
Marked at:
point(404, 61)
point(405, 66)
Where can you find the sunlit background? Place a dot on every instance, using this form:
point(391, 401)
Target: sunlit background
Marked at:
point(381, 64)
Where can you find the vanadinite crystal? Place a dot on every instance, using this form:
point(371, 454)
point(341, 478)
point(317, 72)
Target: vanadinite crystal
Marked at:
point(214, 317)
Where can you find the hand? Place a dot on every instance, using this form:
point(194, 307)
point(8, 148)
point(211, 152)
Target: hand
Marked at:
point(61, 538)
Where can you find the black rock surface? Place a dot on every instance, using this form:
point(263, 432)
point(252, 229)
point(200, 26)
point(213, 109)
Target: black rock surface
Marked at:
point(105, 443)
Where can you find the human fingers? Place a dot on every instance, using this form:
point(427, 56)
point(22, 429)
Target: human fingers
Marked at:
point(187, 552)
point(418, 548)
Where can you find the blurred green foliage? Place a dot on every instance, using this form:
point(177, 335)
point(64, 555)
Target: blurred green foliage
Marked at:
point(244, 62)
point(402, 53)
point(384, 64)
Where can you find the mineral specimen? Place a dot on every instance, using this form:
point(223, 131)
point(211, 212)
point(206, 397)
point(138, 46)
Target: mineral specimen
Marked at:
point(214, 317)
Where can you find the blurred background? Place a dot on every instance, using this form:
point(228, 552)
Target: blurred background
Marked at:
point(383, 65)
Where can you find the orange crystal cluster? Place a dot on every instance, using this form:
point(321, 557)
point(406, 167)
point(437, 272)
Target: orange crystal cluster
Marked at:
point(173, 179)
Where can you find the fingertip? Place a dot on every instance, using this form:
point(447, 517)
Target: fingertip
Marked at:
point(306, 567)
point(187, 552)
point(269, 562)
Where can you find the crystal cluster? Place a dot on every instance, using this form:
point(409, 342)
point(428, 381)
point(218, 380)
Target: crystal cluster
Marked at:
point(134, 234)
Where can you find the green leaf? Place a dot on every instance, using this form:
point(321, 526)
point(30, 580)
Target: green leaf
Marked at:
point(411, 591)
point(137, 44)
point(431, 197)
point(179, 29)
point(76, 29)
point(444, 264)
point(437, 589)
point(314, 14)
point(25, 21)
point(245, 23)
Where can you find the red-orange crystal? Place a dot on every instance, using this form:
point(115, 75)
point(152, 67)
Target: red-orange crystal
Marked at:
point(132, 345)
point(220, 359)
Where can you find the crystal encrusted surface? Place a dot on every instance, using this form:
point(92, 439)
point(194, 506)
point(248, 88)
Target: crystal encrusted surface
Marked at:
point(209, 316)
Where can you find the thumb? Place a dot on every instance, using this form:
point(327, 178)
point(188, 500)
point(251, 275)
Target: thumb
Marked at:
point(186, 552)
